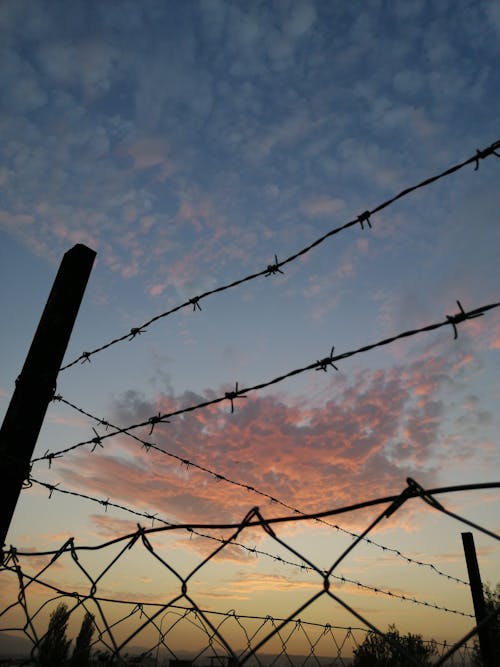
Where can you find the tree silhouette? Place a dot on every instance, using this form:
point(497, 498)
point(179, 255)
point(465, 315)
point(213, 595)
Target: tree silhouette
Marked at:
point(392, 650)
point(54, 647)
point(81, 652)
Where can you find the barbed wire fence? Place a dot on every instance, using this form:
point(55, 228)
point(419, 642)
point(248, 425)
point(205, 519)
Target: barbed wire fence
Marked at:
point(242, 392)
point(276, 635)
point(273, 269)
point(36, 592)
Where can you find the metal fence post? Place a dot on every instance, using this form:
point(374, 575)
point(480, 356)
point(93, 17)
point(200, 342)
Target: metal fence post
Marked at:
point(476, 588)
point(36, 384)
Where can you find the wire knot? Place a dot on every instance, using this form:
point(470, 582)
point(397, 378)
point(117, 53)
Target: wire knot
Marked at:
point(136, 331)
point(9, 555)
point(460, 317)
point(418, 490)
point(322, 364)
point(273, 268)
point(232, 395)
point(195, 301)
point(50, 456)
point(97, 441)
point(158, 419)
point(51, 488)
point(364, 217)
point(27, 483)
point(491, 150)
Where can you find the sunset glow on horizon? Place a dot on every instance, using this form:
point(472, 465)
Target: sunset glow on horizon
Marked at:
point(194, 145)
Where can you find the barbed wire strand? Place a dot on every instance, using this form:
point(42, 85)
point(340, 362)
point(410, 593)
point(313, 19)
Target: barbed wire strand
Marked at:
point(151, 422)
point(275, 268)
point(408, 493)
point(154, 517)
point(97, 440)
point(278, 559)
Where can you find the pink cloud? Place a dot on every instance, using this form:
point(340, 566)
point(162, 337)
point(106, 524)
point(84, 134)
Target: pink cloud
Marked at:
point(157, 289)
point(494, 332)
point(13, 221)
point(363, 443)
point(249, 583)
point(148, 152)
point(464, 361)
point(322, 206)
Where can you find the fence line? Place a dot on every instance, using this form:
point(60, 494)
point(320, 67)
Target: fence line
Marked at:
point(115, 635)
point(253, 550)
point(216, 641)
point(238, 393)
point(275, 268)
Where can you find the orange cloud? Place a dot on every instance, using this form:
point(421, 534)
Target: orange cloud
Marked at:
point(363, 444)
point(149, 152)
point(466, 359)
point(249, 583)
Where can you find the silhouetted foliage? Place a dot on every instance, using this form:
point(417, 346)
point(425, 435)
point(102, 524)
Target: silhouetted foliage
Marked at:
point(492, 603)
point(54, 647)
point(81, 652)
point(103, 656)
point(392, 650)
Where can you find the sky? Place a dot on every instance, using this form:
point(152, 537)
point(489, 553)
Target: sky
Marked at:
point(191, 144)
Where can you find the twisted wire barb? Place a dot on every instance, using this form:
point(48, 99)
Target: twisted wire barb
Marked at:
point(275, 268)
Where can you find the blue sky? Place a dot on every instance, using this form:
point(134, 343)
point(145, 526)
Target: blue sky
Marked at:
point(189, 143)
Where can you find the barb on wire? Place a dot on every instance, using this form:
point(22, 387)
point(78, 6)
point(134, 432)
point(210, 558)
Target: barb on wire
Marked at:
point(482, 154)
point(97, 441)
point(195, 301)
point(242, 393)
point(272, 269)
point(233, 395)
point(157, 419)
point(462, 316)
point(276, 267)
point(50, 456)
point(136, 331)
point(364, 217)
point(322, 364)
